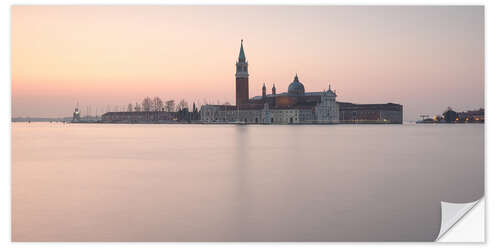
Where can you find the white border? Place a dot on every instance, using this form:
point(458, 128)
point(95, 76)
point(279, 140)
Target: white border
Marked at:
point(492, 16)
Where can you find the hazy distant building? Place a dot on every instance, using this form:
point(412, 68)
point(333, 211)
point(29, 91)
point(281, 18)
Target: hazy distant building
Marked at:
point(472, 115)
point(296, 106)
point(76, 115)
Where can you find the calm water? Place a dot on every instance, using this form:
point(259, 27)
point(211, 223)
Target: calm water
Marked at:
point(91, 182)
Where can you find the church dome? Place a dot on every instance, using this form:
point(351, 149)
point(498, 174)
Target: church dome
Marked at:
point(296, 87)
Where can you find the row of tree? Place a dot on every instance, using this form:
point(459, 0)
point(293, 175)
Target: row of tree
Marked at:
point(157, 104)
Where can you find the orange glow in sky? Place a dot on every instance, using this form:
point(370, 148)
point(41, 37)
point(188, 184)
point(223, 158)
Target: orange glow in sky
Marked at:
point(426, 58)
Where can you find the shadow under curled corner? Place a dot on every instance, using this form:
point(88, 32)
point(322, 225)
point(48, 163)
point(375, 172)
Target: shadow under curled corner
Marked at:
point(451, 214)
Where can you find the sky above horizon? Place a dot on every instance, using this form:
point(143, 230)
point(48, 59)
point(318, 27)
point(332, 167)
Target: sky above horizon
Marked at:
point(425, 58)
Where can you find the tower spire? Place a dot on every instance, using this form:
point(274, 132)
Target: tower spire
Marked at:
point(241, 78)
point(241, 57)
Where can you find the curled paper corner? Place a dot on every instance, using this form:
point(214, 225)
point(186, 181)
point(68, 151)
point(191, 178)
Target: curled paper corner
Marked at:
point(451, 213)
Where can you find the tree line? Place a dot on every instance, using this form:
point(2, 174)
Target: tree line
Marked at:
point(156, 104)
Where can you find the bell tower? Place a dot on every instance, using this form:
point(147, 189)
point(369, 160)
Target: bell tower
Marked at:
point(241, 78)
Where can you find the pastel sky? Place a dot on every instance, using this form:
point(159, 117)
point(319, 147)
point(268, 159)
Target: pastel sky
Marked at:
point(425, 58)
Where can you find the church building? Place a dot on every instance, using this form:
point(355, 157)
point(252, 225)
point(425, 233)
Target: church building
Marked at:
point(295, 106)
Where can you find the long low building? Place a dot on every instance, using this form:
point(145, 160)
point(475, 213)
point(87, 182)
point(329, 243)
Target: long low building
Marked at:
point(371, 113)
point(389, 113)
point(139, 116)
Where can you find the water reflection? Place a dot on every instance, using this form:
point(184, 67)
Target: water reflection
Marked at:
point(85, 182)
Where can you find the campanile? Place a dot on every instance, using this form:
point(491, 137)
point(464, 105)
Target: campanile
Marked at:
point(241, 78)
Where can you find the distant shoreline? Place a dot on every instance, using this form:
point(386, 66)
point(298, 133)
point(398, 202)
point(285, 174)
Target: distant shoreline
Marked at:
point(60, 120)
point(203, 123)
